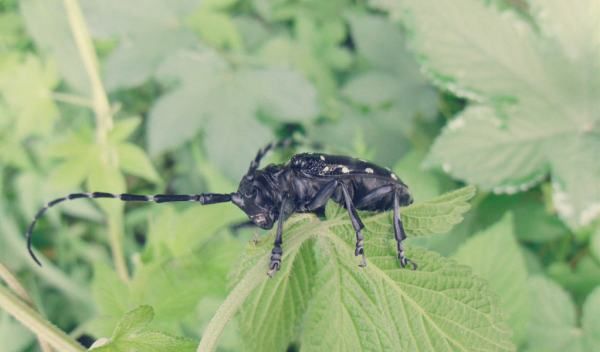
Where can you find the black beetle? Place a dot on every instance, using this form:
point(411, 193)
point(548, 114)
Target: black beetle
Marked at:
point(303, 185)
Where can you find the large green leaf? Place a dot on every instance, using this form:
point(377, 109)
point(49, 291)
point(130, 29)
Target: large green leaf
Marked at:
point(472, 48)
point(539, 90)
point(554, 325)
point(495, 255)
point(441, 306)
point(224, 101)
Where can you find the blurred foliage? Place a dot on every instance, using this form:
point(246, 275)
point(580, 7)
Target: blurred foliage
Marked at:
point(498, 94)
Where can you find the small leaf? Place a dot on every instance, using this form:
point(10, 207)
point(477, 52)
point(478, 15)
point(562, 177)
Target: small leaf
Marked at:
point(124, 128)
point(132, 335)
point(554, 325)
point(133, 160)
point(494, 254)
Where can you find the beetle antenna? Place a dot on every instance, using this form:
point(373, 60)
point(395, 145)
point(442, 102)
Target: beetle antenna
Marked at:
point(204, 198)
point(284, 143)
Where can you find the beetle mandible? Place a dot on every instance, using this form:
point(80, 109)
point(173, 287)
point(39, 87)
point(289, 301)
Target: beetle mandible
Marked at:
point(303, 185)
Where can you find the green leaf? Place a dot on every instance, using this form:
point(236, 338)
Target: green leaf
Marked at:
point(487, 55)
point(214, 26)
point(132, 335)
point(204, 100)
point(145, 40)
point(574, 26)
point(124, 128)
point(494, 255)
point(554, 325)
point(47, 23)
point(133, 160)
point(26, 86)
point(539, 95)
point(506, 159)
point(441, 306)
point(272, 326)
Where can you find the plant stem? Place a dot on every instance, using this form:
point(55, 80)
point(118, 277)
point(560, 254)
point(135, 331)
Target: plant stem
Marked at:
point(16, 286)
point(84, 43)
point(36, 323)
point(115, 224)
point(102, 111)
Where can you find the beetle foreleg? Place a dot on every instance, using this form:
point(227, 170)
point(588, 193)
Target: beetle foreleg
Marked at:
point(400, 234)
point(277, 252)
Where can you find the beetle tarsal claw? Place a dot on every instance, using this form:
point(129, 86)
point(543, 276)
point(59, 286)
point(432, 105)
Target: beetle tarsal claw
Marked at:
point(363, 261)
point(405, 262)
point(274, 267)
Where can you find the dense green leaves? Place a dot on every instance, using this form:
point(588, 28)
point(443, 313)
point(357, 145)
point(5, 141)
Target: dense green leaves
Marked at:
point(194, 87)
point(222, 100)
point(539, 92)
point(145, 40)
point(441, 306)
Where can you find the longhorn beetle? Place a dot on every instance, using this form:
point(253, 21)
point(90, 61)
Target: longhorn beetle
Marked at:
point(303, 185)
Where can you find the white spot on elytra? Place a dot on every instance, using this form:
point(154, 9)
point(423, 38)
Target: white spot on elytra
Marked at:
point(369, 170)
point(326, 168)
point(394, 177)
point(345, 170)
point(322, 157)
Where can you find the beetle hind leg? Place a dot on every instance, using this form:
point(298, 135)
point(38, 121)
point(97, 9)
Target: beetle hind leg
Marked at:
point(400, 235)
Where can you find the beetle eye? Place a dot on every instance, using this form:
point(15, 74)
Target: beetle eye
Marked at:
point(252, 192)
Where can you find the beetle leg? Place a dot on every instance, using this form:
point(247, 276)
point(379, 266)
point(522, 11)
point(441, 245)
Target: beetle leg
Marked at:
point(321, 199)
point(277, 252)
point(357, 224)
point(400, 234)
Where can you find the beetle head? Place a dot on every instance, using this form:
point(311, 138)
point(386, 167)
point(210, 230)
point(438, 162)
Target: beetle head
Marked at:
point(255, 202)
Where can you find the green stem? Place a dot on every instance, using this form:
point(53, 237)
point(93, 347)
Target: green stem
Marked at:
point(115, 224)
point(85, 46)
point(102, 111)
point(16, 286)
point(36, 323)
